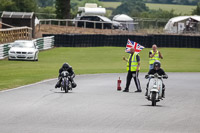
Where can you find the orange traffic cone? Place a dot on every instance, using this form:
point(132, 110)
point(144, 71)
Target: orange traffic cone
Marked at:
point(118, 84)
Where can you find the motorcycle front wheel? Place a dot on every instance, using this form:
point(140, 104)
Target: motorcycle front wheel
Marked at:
point(65, 86)
point(153, 99)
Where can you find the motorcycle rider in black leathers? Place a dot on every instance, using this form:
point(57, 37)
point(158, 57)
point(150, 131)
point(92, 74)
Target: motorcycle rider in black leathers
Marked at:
point(160, 72)
point(66, 67)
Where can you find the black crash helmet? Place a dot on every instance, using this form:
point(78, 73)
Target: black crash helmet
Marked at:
point(156, 63)
point(65, 66)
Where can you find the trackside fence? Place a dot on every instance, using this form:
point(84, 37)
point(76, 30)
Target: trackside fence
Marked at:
point(91, 40)
point(42, 43)
point(12, 34)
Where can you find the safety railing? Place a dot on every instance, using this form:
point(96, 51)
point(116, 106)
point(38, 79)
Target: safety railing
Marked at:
point(91, 24)
point(12, 34)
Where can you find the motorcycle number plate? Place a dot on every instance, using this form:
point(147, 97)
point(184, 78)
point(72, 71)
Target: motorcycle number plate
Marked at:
point(21, 56)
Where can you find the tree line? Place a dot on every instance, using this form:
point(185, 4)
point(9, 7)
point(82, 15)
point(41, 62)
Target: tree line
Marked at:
point(138, 8)
point(68, 8)
point(180, 2)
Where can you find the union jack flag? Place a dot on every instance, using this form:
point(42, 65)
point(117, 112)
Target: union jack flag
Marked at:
point(135, 45)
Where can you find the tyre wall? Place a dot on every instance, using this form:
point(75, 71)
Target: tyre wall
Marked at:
point(78, 40)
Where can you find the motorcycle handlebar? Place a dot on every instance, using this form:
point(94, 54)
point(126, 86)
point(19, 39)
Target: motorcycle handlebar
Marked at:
point(156, 75)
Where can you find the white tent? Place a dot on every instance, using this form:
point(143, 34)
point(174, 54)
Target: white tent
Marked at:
point(178, 24)
point(122, 18)
point(125, 20)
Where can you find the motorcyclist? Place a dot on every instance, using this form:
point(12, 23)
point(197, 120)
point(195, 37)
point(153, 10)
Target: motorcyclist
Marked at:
point(157, 69)
point(66, 67)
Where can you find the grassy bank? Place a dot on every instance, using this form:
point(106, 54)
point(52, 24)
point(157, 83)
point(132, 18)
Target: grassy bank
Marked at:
point(88, 61)
point(111, 4)
point(178, 9)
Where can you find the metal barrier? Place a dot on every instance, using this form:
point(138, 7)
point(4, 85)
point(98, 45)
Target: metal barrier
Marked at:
point(42, 43)
point(12, 34)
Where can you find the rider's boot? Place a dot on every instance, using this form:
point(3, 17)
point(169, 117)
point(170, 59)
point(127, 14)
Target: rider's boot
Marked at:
point(163, 93)
point(58, 84)
point(74, 84)
point(146, 92)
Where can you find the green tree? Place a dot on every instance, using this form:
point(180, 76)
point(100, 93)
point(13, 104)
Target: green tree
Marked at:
point(18, 5)
point(131, 7)
point(26, 5)
point(44, 3)
point(7, 5)
point(159, 14)
point(196, 11)
point(63, 9)
point(46, 12)
point(180, 2)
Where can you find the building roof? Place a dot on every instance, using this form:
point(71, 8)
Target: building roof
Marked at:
point(17, 14)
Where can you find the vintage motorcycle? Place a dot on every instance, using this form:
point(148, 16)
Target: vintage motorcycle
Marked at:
point(155, 88)
point(66, 84)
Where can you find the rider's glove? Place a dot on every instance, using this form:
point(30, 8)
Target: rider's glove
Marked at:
point(165, 76)
point(146, 76)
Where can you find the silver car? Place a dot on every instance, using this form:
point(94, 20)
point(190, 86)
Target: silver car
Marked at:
point(23, 50)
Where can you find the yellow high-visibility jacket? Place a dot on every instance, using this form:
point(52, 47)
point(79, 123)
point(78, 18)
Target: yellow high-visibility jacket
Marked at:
point(132, 65)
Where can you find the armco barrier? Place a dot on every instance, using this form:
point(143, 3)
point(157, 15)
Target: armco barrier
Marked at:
point(83, 40)
point(42, 43)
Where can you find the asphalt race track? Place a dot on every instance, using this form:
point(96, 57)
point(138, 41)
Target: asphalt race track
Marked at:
point(96, 106)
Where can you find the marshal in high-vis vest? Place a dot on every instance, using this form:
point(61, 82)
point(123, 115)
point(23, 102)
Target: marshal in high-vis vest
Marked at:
point(133, 67)
point(154, 55)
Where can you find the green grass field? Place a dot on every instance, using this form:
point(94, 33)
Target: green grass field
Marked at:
point(178, 9)
point(111, 4)
point(90, 60)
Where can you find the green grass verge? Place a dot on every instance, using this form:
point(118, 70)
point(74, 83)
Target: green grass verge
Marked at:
point(178, 9)
point(111, 4)
point(90, 60)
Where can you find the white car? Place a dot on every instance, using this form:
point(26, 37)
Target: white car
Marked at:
point(23, 50)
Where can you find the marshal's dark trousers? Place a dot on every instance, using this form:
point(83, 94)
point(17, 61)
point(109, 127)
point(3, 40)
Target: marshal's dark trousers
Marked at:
point(131, 75)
